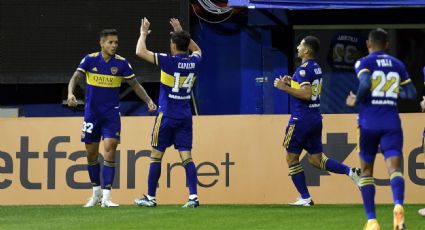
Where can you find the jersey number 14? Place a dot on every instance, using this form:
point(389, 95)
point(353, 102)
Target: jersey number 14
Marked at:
point(187, 82)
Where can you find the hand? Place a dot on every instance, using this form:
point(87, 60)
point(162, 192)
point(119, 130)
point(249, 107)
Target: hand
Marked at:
point(72, 101)
point(281, 83)
point(144, 27)
point(423, 104)
point(287, 79)
point(351, 100)
point(151, 106)
point(175, 24)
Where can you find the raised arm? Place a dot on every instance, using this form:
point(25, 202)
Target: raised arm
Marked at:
point(141, 93)
point(72, 101)
point(141, 50)
point(193, 47)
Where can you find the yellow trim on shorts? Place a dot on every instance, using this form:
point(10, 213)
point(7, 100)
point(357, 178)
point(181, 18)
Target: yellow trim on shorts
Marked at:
point(156, 130)
point(288, 136)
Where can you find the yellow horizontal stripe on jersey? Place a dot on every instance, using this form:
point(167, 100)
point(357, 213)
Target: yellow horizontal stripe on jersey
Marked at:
point(127, 77)
point(168, 80)
point(362, 71)
point(103, 80)
point(295, 84)
point(405, 82)
point(305, 83)
point(82, 70)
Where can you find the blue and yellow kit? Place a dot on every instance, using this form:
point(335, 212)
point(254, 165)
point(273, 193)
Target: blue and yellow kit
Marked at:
point(378, 120)
point(101, 115)
point(304, 130)
point(379, 109)
point(173, 123)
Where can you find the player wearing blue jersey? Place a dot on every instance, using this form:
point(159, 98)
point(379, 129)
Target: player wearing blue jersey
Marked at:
point(173, 124)
point(103, 72)
point(304, 130)
point(383, 79)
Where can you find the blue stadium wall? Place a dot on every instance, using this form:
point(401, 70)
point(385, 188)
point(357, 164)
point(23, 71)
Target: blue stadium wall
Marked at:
point(239, 66)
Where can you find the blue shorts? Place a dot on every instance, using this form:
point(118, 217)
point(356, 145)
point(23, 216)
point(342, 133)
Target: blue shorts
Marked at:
point(304, 134)
point(96, 127)
point(168, 131)
point(389, 141)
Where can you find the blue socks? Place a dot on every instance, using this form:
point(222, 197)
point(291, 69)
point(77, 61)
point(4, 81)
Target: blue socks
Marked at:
point(108, 173)
point(94, 172)
point(298, 178)
point(367, 188)
point(334, 166)
point(154, 174)
point(191, 177)
point(397, 186)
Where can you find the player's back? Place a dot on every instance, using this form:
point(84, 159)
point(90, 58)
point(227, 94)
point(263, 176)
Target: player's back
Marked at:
point(178, 73)
point(308, 73)
point(379, 109)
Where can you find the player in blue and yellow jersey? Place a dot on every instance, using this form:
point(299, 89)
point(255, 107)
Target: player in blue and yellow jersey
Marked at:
point(104, 71)
point(173, 124)
point(383, 79)
point(304, 130)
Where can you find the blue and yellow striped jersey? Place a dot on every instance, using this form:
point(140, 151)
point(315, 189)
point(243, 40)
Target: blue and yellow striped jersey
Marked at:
point(379, 109)
point(103, 81)
point(308, 73)
point(178, 73)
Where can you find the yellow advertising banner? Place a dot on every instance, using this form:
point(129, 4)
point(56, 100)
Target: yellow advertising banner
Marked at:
point(239, 158)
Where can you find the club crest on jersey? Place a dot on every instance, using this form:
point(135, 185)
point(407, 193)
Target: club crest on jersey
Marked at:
point(302, 73)
point(114, 70)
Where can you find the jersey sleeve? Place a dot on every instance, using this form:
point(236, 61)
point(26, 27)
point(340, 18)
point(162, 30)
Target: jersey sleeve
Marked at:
point(84, 64)
point(128, 72)
point(161, 59)
point(300, 78)
point(361, 66)
point(404, 75)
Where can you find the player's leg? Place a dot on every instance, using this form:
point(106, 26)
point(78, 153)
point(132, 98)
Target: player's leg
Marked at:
point(191, 178)
point(111, 129)
point(149, 200)
point(91, 137)
point(183, 143)
point(293, 143)
point(368, 146)
point(316, 157)
point(391, 146)
point(108, 171)
point(161, 138)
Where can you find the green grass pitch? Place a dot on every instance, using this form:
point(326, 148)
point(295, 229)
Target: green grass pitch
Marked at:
point(205, 217)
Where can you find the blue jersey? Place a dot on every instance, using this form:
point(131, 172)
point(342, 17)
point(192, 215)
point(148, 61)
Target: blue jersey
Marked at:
point(178, 73)
point(103, 81)
point(379, 109)
point(309, 73)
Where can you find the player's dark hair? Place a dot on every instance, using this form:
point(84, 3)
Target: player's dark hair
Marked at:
point(312, 43)
point(378, 37)
point(181, 39)
point(106, 32)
